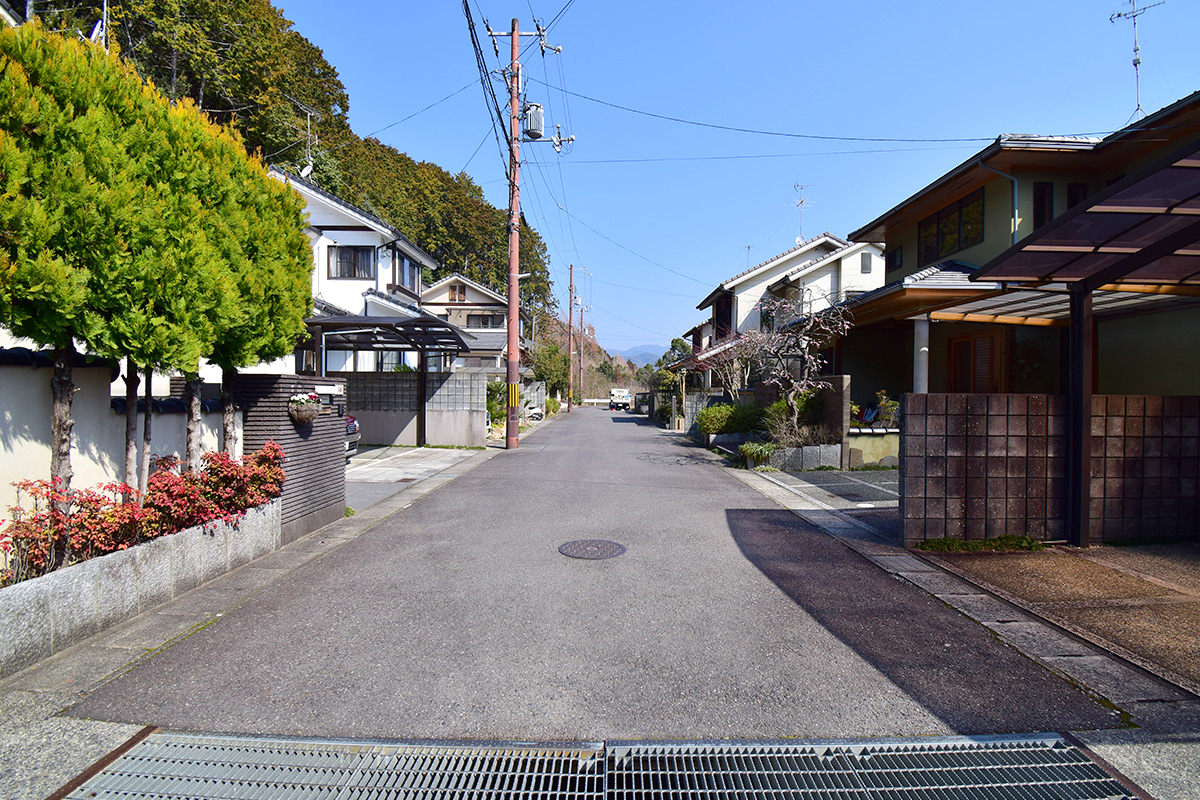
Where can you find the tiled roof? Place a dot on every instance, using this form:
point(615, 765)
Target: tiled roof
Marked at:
point(806, 243)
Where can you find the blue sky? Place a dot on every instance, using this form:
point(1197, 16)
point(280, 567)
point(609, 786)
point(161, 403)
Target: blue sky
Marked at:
point(658, 212)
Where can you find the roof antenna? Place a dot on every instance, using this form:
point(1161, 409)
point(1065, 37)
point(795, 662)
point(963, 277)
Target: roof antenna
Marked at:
point(800, 205)
point(1132, 15)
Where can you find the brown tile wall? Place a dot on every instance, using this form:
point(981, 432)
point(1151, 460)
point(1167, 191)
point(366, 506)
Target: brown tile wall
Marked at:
point(982, 465)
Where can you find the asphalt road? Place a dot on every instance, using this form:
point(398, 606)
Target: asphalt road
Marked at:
point(727, 617)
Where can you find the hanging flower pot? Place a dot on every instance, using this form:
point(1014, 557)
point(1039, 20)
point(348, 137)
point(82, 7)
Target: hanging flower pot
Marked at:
point(304, 408)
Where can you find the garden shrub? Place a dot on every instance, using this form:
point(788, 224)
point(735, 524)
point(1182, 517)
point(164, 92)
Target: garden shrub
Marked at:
point(552, 406)
point(712, 419)
point(745, 418)
point(113, 517)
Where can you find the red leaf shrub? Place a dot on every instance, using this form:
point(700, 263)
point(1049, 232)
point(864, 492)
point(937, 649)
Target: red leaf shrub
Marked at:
point(113, 517)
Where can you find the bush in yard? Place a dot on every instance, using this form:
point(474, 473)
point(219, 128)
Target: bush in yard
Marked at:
point(112, 517)
point(712, 419)
point(745, 418)
point(552, 406)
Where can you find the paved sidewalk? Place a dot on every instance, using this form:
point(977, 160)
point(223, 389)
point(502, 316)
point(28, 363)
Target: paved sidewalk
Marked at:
point(1160, 749)
point(41, 750)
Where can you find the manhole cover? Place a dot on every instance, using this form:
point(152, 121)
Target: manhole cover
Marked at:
point(592, 548)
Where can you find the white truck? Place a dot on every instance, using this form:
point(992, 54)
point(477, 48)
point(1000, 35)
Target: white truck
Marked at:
point(618, 398)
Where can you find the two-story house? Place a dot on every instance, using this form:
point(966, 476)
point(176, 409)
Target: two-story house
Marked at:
point(932, 328)
point(824, 270)
point(363, 267)
point(482, 313)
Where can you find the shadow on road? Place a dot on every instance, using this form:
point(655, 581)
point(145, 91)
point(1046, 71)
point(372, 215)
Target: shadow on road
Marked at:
point(952, 666)
point(636, 419)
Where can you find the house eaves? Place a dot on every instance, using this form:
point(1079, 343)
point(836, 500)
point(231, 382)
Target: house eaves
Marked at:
point(1006, 153)
point(393, 302)
point(384, 228)
point(458, 277)
point(729, 284)
point(809, 267)
point(932, 288)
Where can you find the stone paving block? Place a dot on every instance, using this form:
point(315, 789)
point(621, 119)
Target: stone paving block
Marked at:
point(985, 608)
point(939, 583)
point(1114, 680)
point(77, 671)
point(1040, 640)
point(151, 631)
point(904, 563)
point(203, 601)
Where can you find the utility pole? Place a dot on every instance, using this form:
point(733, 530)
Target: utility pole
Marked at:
point(570, 338)
point(512, 428)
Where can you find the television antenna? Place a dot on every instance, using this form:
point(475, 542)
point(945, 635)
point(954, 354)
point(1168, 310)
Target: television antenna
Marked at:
point(801, 203)
point(1132, 15)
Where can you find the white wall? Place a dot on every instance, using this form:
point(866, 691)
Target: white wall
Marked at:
point(98, 441)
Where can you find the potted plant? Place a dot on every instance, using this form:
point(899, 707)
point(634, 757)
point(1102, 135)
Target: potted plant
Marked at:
point(304, 407)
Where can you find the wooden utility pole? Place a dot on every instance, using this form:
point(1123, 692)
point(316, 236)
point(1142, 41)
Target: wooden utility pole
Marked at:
point(570, 338)
point(512, 429)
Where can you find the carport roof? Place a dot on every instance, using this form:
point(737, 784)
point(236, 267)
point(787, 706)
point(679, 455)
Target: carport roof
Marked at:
point(357, 332)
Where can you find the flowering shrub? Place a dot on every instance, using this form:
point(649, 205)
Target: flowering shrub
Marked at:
point(113, 517)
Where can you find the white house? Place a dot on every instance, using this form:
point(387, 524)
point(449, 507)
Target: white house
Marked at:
point(362, 267)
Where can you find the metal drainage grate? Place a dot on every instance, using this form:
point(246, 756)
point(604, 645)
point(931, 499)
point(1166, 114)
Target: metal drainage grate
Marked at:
point(197, 767)
point(234, 768)
point(592, 548)
point(979, 770)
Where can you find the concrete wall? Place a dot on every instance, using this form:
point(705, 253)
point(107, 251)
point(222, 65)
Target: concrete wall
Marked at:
point(42, 616)
point(386, 406)
point(1150, 353)
point(98, 438)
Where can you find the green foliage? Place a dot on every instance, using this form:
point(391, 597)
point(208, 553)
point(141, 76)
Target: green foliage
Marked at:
point(348, 512)
point(889, 410)
point(497, 400)
point(136, 225)
point(607, 369)
point(552, 406)
point(745, 418)
point(679, 350)
point(1007, 542)
point(757, 451)
point(549, 364)
point(446, 215)
point(403, 368)
point(712, 419)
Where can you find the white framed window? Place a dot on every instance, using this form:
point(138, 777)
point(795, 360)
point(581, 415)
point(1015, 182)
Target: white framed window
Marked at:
point(352, 261)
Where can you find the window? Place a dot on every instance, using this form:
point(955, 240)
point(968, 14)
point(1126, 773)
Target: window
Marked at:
point(973, 362)
point(1043, 203)
point(895, 258)
point(352, 262)
point(404, 272)
point(866, 263)
point(1076, 194)
point(956, 227)
point(485, 320)
point(458, 293)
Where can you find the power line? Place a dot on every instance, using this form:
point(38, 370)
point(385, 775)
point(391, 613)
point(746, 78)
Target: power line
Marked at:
point(634, 252)
point(665, 159)
point(786, 134)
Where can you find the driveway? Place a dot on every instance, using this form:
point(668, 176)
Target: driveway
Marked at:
point(726, 617)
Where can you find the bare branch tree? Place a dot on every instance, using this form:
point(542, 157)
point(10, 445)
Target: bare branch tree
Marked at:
point(788, 351)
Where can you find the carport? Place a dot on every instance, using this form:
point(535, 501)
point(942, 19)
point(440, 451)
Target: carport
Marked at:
point(1132, 247)
point(423, 334)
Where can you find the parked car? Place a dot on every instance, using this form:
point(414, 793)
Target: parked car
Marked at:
point(352, 436)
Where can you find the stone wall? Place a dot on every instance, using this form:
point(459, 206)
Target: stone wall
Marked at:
point(41, 616)
point(984, 465)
